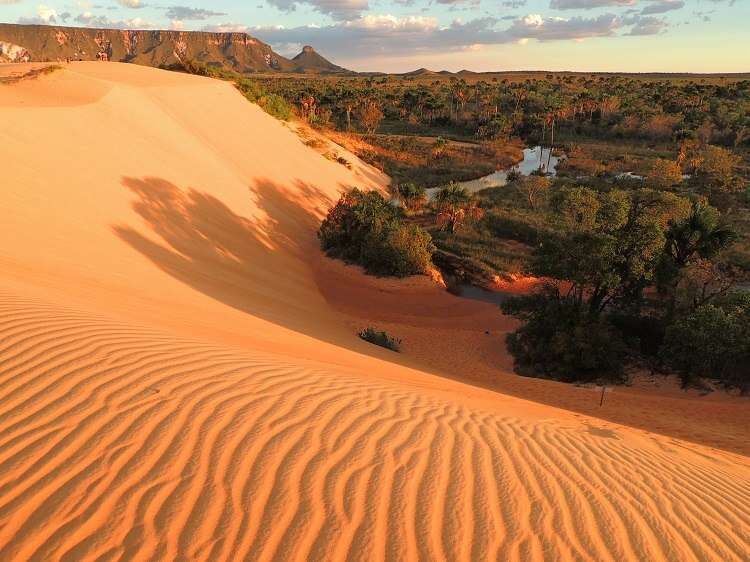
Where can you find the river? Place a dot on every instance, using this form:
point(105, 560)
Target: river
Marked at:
point(532, 158)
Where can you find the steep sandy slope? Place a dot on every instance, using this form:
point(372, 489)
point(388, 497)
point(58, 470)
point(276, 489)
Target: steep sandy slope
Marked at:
point(175, 384)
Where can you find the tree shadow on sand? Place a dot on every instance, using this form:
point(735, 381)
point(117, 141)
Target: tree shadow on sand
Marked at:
point(258, 265)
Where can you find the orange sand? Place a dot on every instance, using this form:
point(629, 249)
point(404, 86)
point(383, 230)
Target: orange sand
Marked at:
point(180, 378)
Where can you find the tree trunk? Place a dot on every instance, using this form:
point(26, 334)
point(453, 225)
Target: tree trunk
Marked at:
point(551, 144)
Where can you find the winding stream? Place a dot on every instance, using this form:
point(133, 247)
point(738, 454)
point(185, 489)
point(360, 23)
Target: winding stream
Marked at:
point(532, 158)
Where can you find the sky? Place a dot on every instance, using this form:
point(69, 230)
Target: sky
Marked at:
point(480, 35)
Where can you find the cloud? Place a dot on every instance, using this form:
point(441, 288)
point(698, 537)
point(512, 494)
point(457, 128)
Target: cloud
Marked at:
point(662, 6)
point(337, 9)
point(588, 4)
point(376, 35)
point(186, 13)
point(225, 28)
point(131, 3)
point(646, 25)
point(88, 19)
point(44, 15)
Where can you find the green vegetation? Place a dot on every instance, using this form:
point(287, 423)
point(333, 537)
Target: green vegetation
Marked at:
point(380, 338)
point(641, 236)
point(595, 316)
point(412, 196)
point(712, 342)
point(454, 207)
point(364, 228)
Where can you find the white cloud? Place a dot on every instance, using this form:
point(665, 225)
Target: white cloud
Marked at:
point(588, 4)
point(47, 14)
point(89, 19)
point(187, 13)
point(226, 28)
point(131, 3)
point(376, 35)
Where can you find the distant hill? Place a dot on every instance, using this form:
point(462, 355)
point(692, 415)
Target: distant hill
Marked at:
point(420, 72)
point(236, 51)
point(309, 60)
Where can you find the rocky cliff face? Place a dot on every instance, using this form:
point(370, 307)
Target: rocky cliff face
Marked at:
point(237, 51)
point(10, 52)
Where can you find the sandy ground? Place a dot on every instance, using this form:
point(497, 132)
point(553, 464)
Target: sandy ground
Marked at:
point(180, 377)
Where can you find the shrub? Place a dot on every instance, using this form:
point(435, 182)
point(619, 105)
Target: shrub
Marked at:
point(664, 173)
point(276, 106)
point(364, 228)
point(380, 338)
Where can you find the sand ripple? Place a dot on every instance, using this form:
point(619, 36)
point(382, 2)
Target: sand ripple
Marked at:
point(119, 442)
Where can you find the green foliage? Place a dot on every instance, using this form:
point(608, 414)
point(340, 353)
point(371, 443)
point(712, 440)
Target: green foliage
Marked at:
point(455, 206)
point(560, 341)
point(698, 236)
point(276, 106)
point(382, 339)
point(534, 188)
point(364, 228)
point(711, 342)
point(664, 173)
point(717, 169)
point(411, 195)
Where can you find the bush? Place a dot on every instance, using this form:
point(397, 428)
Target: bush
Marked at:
point(560, 342)
point(364, 228)
point(380, 338)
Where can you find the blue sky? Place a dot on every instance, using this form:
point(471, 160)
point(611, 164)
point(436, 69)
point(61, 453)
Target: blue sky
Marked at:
point(400, 35)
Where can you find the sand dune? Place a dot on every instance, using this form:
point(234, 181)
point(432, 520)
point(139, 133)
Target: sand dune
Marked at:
point(180, 380)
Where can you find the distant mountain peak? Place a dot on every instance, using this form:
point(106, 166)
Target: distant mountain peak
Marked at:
point(309, 60)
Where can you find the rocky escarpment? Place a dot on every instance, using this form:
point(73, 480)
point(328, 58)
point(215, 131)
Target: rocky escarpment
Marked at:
point(10, 52)
point(236, 51)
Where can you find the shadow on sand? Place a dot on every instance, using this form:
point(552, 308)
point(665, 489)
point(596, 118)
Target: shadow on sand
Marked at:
point(258, 265)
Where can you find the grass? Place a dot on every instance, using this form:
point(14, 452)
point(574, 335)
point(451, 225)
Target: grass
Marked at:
point(382, 339)
point(31, 74)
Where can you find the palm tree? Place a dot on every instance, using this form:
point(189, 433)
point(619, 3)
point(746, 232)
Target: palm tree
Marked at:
point(412, 196)
point(455, 205)
point(700, 235)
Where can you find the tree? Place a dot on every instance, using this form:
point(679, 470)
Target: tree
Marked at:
point(664, 173)
point(700, 235)
point(533, 187)
point(370, 116)
point(412, 196)
point(717, 169)
point(455, 206)
point(559, 340)
point(711, 342)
